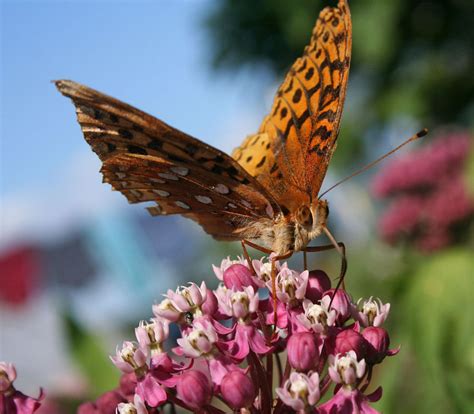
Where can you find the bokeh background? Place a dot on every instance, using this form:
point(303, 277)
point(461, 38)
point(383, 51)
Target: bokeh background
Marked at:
point(79, 267)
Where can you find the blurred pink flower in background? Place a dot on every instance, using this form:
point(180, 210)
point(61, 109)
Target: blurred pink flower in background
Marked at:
point(429, 199)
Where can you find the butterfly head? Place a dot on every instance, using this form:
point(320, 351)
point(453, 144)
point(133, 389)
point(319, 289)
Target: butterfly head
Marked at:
point(309, 222)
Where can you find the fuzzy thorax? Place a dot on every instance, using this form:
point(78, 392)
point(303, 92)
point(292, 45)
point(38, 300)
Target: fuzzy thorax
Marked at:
point(292, 232)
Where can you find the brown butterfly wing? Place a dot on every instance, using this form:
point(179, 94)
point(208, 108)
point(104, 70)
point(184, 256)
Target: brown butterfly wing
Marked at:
point(148, 160)
point(291, 152)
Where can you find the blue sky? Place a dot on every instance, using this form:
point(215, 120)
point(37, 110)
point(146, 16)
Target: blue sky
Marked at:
point(152, 54)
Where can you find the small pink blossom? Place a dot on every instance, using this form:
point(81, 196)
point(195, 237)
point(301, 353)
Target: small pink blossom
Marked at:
point(189, 298)
point(346, 369)
point(348, 401)
point(166, 309)
point(238, 304)
point(130, 358)
point(200, 340)
point(291, 285)
point(137, 407)
point(151, 335)
point(371, 312)
point(317, 317)
point(7, 376)
point(300, 391)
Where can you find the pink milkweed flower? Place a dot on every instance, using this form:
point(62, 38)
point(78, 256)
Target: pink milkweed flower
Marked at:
point(130, 358)
point(238, 390)
point(150, 390)
point(347, 401)
point(189, 298)
point(371, 312)
point(137, 407)
point(300, 391)
point(303, 350)
point(151, 335)
point(345, 369)
point(317, 318)
point(194, 389)
point(225, 264)
point(12, 400)
point(200, 340)
point(7, 376)
point(263, 269)
point(238, 304)
point(166, 309)
point(291, 285)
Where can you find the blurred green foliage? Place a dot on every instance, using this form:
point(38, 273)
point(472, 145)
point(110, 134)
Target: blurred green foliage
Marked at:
point(412, 64)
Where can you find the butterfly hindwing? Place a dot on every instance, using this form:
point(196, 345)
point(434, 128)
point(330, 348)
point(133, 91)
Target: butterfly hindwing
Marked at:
point(297, 139)
point(148, 160)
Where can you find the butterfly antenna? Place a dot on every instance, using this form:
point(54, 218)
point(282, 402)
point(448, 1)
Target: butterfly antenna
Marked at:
point(414, 137)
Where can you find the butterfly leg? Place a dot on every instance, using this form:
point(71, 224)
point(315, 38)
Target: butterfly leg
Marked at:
point(275, 259)
point(340, 248)
point(247, 256)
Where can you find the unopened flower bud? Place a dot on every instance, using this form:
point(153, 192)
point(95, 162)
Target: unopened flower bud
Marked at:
point(378, 343)
point(107, 402)
point(341, 303)
point(209, 307)
point(238, 390)
point(303, 352)
point(194, 389)
point(349, 340)
point(238, 277)
point(318, 283)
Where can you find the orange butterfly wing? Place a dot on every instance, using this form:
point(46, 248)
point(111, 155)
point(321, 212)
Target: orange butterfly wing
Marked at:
point(149, 161)
point(290, 153)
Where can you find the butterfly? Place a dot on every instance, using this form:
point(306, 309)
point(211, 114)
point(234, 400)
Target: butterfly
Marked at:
point(266, 193)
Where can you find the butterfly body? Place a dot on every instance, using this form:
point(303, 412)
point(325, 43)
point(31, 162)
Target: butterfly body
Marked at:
point(267, 191)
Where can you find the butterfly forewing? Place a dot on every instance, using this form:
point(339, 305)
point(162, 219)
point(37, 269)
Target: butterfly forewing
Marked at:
point(147, 160)
point(291, 152)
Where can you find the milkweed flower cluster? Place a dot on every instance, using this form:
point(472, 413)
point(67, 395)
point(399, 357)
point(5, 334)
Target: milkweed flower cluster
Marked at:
point(233, 356)
point(430, 203)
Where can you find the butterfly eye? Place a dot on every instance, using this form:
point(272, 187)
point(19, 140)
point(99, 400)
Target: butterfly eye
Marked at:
point(304, 217)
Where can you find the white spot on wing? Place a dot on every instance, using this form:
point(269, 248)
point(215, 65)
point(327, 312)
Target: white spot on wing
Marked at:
point(124, 184)
point(161, 193)
point(157, 181)
point(182, 205)
point(120, 175)
point(231, 205)
point(246, 203)
point(183, 171)
point(136, 193)
point(203, 199)
point(167, 176)
point(221, 189)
